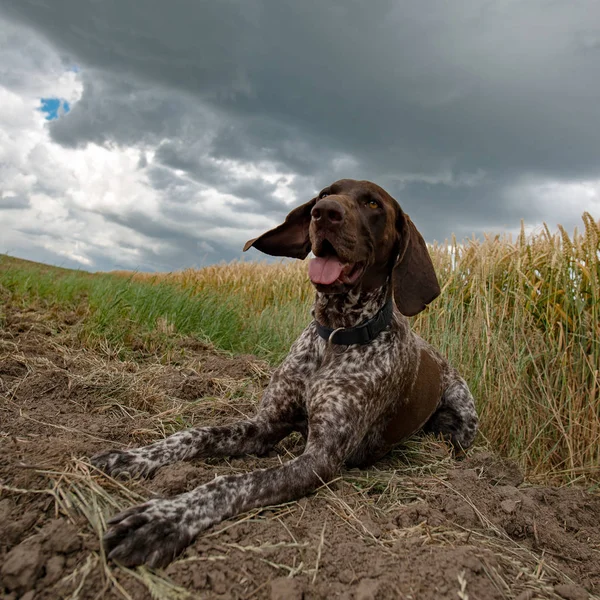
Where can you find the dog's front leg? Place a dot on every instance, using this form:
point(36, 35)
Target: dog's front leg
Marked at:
point(155, 532)
point(280, 410)
point(253, 436)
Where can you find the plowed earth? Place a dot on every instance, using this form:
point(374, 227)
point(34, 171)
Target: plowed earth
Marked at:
point(418, 525)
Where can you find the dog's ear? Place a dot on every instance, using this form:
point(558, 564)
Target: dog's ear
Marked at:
point(414, 279)
point(288, 239)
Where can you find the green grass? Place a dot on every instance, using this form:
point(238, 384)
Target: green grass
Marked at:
point(125, 312)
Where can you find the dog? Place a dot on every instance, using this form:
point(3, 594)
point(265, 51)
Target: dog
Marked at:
point(355, 383)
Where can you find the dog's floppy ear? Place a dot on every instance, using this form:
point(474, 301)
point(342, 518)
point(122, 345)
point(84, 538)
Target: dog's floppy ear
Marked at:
point(414, 279)
point(288, 239)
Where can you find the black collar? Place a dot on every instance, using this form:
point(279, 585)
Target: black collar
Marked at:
point(361, 334)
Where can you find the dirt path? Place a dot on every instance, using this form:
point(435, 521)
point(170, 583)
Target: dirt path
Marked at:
point(419, 525)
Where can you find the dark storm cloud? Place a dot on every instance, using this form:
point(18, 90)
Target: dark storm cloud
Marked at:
point(163, 230)
point(182, 248)
point(114, 108)
point(447, 104)
point(201, 171)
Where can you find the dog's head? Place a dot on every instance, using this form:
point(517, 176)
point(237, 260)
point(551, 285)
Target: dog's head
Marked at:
point(359, 236)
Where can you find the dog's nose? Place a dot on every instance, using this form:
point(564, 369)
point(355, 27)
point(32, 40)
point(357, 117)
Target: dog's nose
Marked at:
point(328, 212)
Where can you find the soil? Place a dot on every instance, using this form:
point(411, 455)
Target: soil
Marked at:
point(418, 525)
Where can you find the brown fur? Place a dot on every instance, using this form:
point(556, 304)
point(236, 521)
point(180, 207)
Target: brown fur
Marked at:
point(352, 403)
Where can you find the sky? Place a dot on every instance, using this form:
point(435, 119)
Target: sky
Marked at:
point(162, 135)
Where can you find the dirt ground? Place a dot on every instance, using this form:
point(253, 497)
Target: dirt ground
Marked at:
point(418, 525)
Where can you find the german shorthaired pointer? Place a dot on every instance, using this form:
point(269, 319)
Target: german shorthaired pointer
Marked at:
point(355, 383)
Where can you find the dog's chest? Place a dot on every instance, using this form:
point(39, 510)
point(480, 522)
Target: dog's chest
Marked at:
point(379, 364)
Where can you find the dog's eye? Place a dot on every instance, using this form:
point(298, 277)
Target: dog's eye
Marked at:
point(323, 195)
point(372, 204)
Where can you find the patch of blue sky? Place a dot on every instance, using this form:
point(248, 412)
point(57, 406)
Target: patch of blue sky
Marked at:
point(54, 108)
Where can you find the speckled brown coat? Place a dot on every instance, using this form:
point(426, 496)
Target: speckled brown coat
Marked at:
point(352, 403)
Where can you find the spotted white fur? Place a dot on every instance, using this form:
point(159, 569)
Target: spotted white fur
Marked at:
point(337, 396)
point(341, 398)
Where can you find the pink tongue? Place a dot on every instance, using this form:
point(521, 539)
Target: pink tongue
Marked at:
point(324, 270)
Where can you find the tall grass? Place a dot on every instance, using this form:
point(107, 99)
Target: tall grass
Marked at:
point(520, 320)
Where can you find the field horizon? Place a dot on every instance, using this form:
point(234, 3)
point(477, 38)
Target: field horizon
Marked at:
point(90, 361)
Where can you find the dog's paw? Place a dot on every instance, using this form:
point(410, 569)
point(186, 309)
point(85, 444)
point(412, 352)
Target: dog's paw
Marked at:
point(153, 533)
point(124, 463)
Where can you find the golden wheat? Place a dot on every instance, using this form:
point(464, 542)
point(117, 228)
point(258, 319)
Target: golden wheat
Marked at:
point(520, 320)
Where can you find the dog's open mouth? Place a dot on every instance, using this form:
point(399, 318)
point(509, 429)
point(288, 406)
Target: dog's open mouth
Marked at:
point(330, 269)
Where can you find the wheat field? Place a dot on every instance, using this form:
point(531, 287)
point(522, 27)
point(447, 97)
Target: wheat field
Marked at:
point(519, 318)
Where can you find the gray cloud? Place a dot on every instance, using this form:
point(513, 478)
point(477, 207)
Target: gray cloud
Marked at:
point(449, 106)
point(14, 203)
